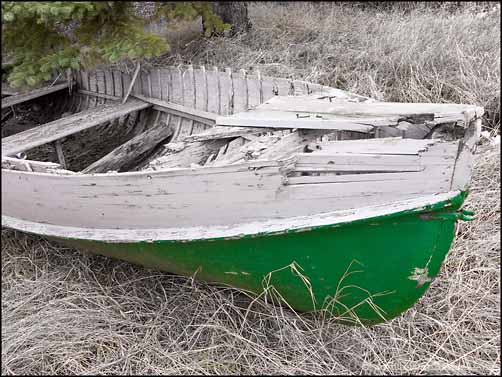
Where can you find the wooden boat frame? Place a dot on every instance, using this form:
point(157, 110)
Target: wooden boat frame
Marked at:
point(238, 222)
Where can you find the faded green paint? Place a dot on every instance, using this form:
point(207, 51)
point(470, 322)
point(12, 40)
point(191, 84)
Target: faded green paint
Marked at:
point(392, 257)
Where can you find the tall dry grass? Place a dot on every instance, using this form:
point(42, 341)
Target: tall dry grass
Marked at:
point(417, 54)
point(64, 312)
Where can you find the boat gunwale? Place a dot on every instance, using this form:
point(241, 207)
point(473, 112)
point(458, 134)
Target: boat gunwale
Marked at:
point(371, 214)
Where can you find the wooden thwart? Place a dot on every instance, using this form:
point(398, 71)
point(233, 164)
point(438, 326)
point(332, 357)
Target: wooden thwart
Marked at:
point(200, 116)
point(23, 97)
point(63, 127)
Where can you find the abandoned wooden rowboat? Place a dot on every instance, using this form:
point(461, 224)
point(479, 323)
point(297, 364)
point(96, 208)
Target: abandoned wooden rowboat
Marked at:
point(333, 201)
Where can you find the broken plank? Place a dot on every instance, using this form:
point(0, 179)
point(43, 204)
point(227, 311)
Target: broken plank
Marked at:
point(293, 142)
point(59, 152)
point(404, 111)
point(280, 119)
point(132, 150)
point(23, 97)
point(187, 154)
point(225, 133)
point(28, 165)
point(374, 146)
point(350, 193)
point(356, 177)
point(430, 172)
point(63, 127)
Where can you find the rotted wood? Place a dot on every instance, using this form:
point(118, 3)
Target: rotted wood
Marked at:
point(59, 151)
point(131, 151)
point(225, 133)
point(181, 154)
point(180, 110)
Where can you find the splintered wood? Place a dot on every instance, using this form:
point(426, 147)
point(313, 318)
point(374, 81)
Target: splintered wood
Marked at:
point(129, 152)
point(411, 120)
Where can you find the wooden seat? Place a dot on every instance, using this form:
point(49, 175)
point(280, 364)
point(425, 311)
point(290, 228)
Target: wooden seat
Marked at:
point(63, 127)
point(23, 97)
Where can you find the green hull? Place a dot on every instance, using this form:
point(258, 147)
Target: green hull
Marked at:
point(373, 269)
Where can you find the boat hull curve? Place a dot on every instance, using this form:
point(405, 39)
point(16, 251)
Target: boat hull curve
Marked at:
point(366, 271)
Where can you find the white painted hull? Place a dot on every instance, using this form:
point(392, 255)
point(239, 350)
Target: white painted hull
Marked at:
point(349, 175)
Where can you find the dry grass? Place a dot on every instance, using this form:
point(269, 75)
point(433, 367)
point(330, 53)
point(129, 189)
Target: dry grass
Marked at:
point(68, 313)
point(422, 55)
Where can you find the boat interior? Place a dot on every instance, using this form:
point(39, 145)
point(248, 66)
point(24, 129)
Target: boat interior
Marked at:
point(276, 140)
point(162, 118)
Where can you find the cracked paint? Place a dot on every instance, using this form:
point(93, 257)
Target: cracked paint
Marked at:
point(420, 275)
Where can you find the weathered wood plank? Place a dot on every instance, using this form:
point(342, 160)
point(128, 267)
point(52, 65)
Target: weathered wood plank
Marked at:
point(59, 152)
point(132, 83)
point(235, 229)
point(28, 165)
point(93, 87)
point(180, 110)
point(189, 98)
point(464, 163)
point(312, 113)
point(394, 145)
point(403, 111)
point(358, 177)
point(164, 79)
point(288, 144)
point(101, 86)
point(66, 126)
point(432, 172)
point(100, 95)
point(20, 98)
point(214, 91)
point(129, 152)
point(357, 162)
point(149, 199)
point(155, 83)
point(231, 91)
point(225, 85)
point(240, 92)
point(192, 153)
point(254, 95)
point(143, 200)
point(225, 133)
point(356, 194)
point(118, 90)
point(273, 119)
